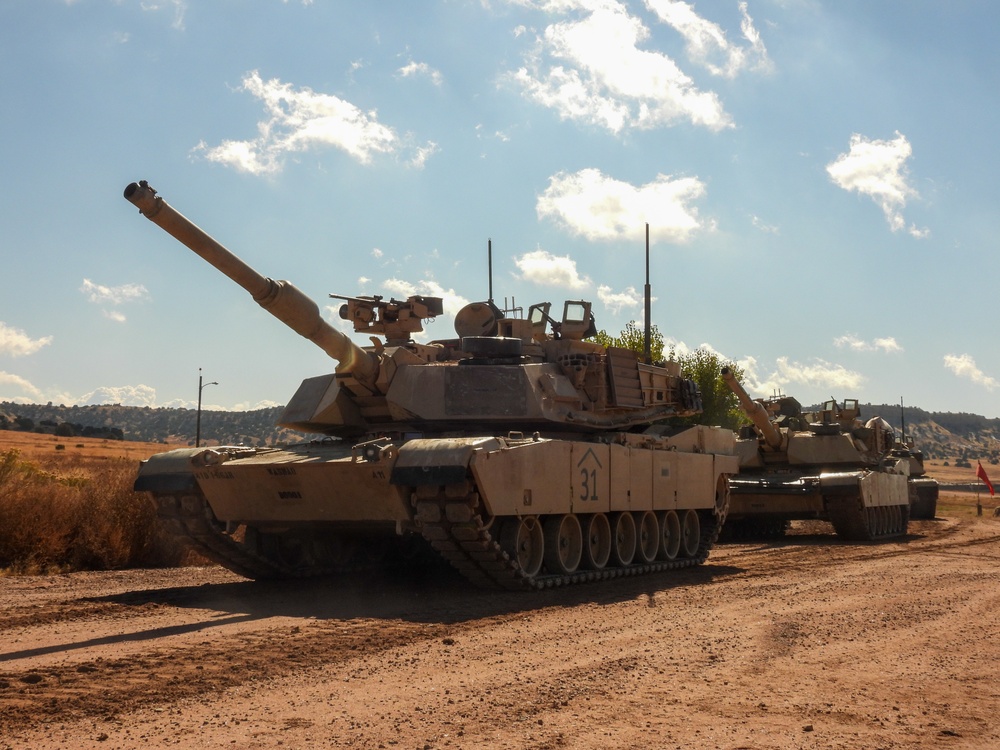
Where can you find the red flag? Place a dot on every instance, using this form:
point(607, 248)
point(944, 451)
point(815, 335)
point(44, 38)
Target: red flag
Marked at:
point(981, 473)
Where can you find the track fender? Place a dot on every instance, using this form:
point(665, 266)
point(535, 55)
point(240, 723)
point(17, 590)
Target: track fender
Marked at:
point(840, 483)
point(169, 472)
point(437, 461)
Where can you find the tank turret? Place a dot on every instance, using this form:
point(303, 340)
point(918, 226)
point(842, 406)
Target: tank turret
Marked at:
point(522, 453)
point(537, 374)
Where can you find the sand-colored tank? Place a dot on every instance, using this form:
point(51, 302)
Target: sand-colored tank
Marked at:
point(924, 490)
point(826, 465)
point(518, 451)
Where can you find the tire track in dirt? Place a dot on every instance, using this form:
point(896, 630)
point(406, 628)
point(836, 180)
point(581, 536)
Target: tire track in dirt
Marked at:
point(110, 687)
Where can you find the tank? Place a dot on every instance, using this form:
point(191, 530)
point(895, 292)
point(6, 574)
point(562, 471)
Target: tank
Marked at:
point(923, 489)
point(517, 451)
point(825, 465)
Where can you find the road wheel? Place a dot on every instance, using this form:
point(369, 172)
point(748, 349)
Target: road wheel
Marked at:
point(623, 539)
point(522, 539)
point(563, 543)
point(596, 541)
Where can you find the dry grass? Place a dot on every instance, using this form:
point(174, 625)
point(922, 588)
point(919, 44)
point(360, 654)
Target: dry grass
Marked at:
point(72, 507)
point(35, 446)
point(965, 504)
point(951, 473)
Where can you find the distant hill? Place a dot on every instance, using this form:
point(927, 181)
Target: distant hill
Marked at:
point(145, 424)
point(940, 435)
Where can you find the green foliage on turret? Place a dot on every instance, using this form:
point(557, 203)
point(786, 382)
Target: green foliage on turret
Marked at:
point(633, 338)
point(703, 366)
point(720, 405)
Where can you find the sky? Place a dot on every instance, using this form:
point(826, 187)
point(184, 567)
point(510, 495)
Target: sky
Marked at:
point(818, 177)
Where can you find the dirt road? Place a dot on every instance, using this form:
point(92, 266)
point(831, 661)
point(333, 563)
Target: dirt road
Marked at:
point(808, 644)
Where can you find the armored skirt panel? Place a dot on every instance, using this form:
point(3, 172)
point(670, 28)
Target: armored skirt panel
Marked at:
point(331, 482)
point(578, 477)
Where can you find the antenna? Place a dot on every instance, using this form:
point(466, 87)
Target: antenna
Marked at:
point(902, 420)
point(489, 261)
point(646, 344)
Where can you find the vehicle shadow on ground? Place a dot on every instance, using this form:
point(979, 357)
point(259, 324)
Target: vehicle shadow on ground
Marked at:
point(437, 595)
point(138, 636)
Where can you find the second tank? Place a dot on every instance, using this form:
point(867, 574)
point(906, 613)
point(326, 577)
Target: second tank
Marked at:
point(826, 465)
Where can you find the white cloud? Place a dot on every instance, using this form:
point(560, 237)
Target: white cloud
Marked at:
point(964, 366)
point(681, 348)
point(678, 347)
point(16, 381)
point(126, 395)
point(113, 295)
point(592, 69)
point(179, 8)
point(413, 69)
point(246, 405)
point(878, 169)
point(303, 120)
point(789, 376)
point(706, 42)
point(180, 403)
point(759, 223)
point(851, 341)
point(616, 301)
point(17, 343)
point(592, 205)
point(422, 153)
point(451, 301)
point(543, 268)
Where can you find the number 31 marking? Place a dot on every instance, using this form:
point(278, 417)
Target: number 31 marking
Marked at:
point(589, 484)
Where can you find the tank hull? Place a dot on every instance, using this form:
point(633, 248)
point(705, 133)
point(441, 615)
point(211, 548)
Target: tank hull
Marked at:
point(862, 505)
point(923, 497)
point(507, 512)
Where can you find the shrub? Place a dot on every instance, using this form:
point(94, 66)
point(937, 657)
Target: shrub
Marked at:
point(83, 517)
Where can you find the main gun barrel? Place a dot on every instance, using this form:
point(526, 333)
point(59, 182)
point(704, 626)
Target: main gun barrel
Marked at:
point(280, 298)
point(754, 410)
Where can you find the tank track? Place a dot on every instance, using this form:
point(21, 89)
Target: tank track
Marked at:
point(923, 498)
point(189, 517)
point(855, 523)
point(450, 518)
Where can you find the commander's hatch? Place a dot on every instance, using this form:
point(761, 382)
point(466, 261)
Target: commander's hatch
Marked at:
point(577, 321)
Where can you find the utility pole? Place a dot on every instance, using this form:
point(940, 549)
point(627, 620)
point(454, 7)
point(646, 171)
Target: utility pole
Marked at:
point(197, 429)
